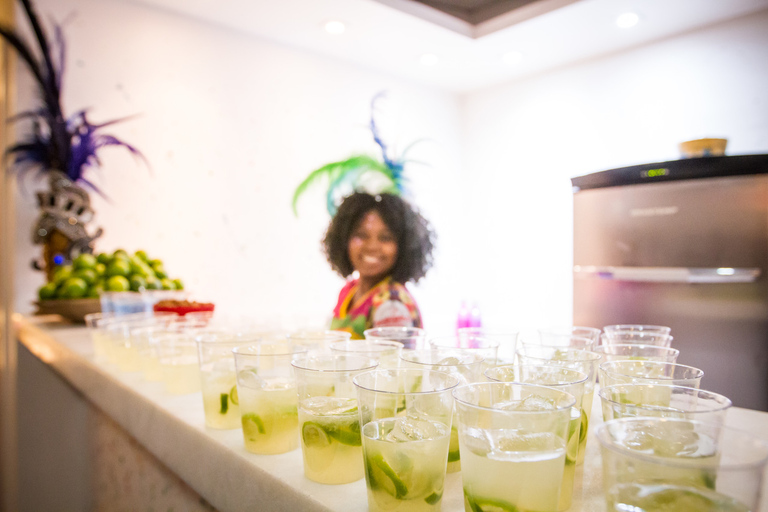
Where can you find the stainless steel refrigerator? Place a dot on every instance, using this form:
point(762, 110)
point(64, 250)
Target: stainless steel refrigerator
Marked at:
point(683, 244)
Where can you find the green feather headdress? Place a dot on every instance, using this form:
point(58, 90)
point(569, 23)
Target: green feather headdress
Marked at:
point(358, 172)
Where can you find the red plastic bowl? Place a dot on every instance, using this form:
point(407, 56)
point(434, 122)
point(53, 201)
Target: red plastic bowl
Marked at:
point(183, 310)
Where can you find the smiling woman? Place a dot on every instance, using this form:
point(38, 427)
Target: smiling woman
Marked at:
point(387, 243)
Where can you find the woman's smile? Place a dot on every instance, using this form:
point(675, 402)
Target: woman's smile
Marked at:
point(372, 248)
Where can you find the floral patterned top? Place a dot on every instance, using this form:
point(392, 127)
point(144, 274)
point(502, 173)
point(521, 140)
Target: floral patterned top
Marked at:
point(387, 304)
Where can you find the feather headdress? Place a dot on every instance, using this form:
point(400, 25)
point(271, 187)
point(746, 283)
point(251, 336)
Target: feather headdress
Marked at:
point(359, 172)
point(56, 143)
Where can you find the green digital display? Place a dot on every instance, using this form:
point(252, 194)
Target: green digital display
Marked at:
point(655, 173)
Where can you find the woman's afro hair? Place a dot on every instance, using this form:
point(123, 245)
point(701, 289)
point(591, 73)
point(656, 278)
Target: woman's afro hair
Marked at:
point(415, 237)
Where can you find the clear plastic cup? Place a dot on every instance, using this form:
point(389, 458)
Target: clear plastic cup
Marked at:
point(514, 445)
point(96, 323)
point(581, 360)
point(506, 340)
point(266, 388)
point(177, 358)
point(661, 401)
point(485, 347)
point(678, 464)
point(329, 420)
point(466, 364)
point(412, 338)
point(649, 372)
point(636, 338)
point(546, 336)
point(387, 353)
point(567, 341)
point(406, 417)
point(563, 379)
point(318, 340)
point(616, 352)
point(218, 381)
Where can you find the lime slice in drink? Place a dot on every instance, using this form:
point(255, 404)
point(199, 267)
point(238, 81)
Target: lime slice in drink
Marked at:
point(584, 426)
point(381, 475)
point(233, 395)
point(224, 403)
point(314, 435)
point(574, 437)
point(453, 449)
point(252, 425)
point(433, 498)
point(348, 434)
point(489, 505)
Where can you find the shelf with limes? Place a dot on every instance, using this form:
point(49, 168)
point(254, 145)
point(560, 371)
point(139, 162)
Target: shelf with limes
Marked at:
point(58, 147)
point(89, 275)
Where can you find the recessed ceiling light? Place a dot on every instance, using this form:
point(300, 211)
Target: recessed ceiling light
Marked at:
point(335, 27)
point(429, 59)
point(627, 20)
point(512, 58)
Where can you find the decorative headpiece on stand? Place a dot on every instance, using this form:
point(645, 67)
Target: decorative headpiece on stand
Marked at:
point(61, 149)
point(360, 172)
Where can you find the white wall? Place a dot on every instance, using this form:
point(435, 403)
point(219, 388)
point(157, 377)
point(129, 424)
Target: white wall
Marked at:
point(231, 124)
point(524, 141)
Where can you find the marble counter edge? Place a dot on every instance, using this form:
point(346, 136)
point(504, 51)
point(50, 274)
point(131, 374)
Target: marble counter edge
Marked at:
point(227, 482)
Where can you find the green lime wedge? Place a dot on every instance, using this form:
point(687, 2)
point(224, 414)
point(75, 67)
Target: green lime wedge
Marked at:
point(453, 448)
point(314, 435)
point(252, 425)
point(224, 403)
point(489, 505)
point(348, 434)
point(584, 425)
point(381, 475)
point(233, 395)
point(433, 498)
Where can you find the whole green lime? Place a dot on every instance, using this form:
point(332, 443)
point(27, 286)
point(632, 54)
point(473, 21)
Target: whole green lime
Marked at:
point(100, 269)
point(167, 284)
point(178, 284)
point(95, 290)
point(119, 267)
point(141, 255)
point(118, 284)
point(62, 273)
point(84, 260)
point(73, 288)
point(104, 258)
point(47, 291)
point(138, 283)
point(120, 253)
point(88, 275)
point(153, 283)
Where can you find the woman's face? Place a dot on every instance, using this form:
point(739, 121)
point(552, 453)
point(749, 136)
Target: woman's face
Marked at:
point(372, 248)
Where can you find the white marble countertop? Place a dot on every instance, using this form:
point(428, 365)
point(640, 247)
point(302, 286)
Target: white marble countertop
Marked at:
point(215, 462)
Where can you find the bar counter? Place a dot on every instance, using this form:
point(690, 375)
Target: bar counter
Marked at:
point(215, 464)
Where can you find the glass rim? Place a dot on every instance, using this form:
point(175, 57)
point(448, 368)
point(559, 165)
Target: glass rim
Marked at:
point(210, 337)
point(291, 349)
point(564, 329)
point(601, 429)
point(494, 343)
point(385, 344)
point(319, 334)
point(638, 346)
point(408, 332)
point(586, 353)
point(638, 327)
point(571, 401)
point(414, 371)
point(369, 362)
point(698, 393)
point(604, 366)
point(554, 367)
point(477, 358)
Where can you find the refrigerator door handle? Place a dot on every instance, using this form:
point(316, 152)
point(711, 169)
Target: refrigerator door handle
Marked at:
point(667, 274)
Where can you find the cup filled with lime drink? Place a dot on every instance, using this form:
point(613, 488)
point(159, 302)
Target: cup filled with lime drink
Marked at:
point(563, 379)
point(406, 417)
point(466, 364)
point(412, 338)
point(580, 360)
point(680, 465)
point(638, 371)
point(514, 444)
point(266, 389)
point(218, 377)
point(329, 421)
point(637, 352)
point(386, 353)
